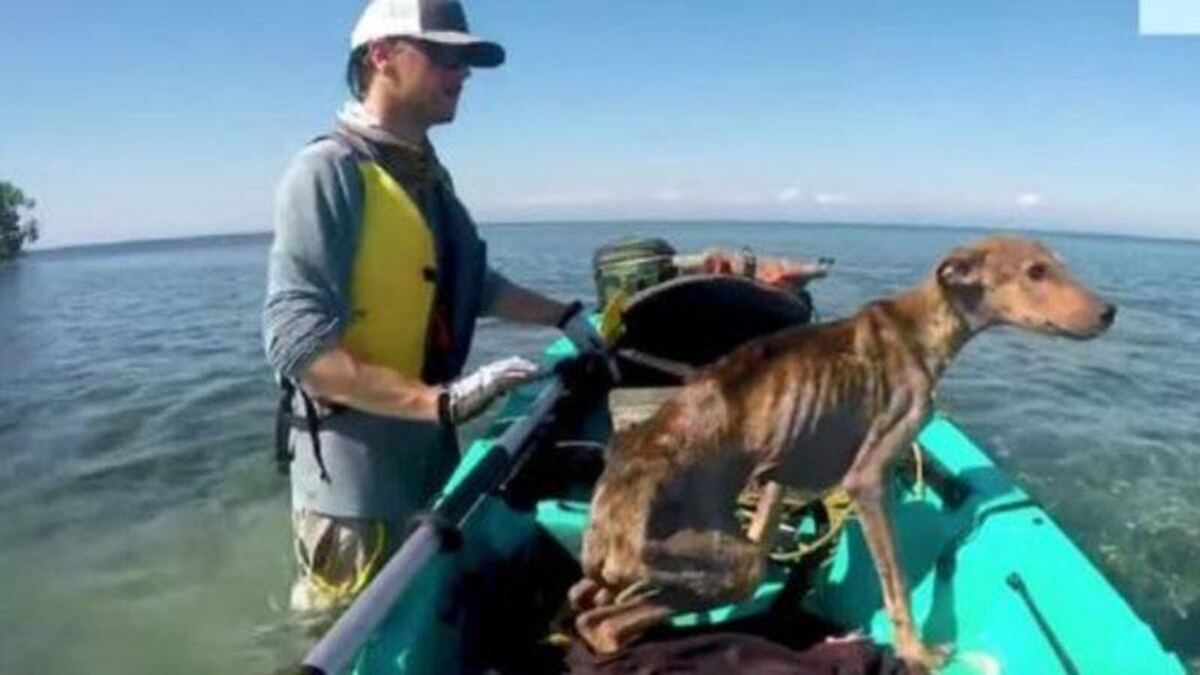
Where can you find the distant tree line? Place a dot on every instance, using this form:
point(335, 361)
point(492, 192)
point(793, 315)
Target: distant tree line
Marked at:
point(16, 229)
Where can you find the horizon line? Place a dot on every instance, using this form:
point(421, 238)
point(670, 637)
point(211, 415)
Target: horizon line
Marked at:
point(1051, 230)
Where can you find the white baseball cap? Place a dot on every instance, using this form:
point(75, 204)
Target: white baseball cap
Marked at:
point(440, 21)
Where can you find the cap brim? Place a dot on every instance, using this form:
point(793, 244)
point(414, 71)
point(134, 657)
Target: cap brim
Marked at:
point(479, 53)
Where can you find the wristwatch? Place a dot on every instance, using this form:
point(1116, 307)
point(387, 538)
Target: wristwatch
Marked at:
point(749, 263)
point(444, 413)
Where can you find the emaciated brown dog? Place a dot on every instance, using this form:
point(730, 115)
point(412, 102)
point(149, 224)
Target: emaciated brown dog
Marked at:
point(812, 407)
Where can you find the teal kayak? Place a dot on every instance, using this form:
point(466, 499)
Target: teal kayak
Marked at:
point(478, 586)
point(994, 576)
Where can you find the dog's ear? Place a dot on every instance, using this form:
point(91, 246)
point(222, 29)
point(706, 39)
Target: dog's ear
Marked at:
point(962, 268)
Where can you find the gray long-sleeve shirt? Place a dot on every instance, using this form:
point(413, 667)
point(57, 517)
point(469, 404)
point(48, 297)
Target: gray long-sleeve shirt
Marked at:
point(318, 217)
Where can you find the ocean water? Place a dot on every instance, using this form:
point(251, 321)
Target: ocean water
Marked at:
point(143, 527)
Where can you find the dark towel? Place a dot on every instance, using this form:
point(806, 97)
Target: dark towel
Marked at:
point(736, 653)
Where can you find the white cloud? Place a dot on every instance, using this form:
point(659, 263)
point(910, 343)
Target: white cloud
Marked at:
point(668, 195)
point(829, 198)
point(789, 195)
point(1029, 200)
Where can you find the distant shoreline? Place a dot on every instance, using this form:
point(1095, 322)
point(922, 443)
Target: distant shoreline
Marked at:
point(218, 239)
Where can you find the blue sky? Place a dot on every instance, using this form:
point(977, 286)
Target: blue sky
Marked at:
point(150, 119)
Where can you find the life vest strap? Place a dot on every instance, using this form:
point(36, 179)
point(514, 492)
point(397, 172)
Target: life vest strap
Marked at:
point(285, 419)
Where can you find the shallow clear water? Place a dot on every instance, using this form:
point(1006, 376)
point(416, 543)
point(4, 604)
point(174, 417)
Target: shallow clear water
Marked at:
point(144, 528)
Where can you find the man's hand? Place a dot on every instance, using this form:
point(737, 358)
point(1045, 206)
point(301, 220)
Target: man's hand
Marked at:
point(467, 397)
point(575, 325)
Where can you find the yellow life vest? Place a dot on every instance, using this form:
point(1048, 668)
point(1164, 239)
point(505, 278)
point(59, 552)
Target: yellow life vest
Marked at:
point(394, 279)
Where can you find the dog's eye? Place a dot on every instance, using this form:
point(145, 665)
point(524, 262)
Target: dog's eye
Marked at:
point(1037, 272)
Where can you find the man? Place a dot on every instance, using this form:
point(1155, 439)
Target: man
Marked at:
point(377, 276)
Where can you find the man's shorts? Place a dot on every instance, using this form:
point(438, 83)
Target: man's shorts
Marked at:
point(336, 558)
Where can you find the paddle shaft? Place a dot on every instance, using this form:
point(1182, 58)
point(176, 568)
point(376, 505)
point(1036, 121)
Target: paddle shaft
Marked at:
point(338, 648)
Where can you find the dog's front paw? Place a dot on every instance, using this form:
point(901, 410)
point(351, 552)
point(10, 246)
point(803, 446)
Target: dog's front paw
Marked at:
point(922, 659)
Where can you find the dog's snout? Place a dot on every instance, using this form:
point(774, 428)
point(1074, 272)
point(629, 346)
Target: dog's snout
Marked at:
point(1109, 314)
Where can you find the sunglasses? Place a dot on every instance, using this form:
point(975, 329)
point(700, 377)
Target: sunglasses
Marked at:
point(448, 57)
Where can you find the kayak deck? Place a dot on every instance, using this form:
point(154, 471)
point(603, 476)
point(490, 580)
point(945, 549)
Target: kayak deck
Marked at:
point(997, 578)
